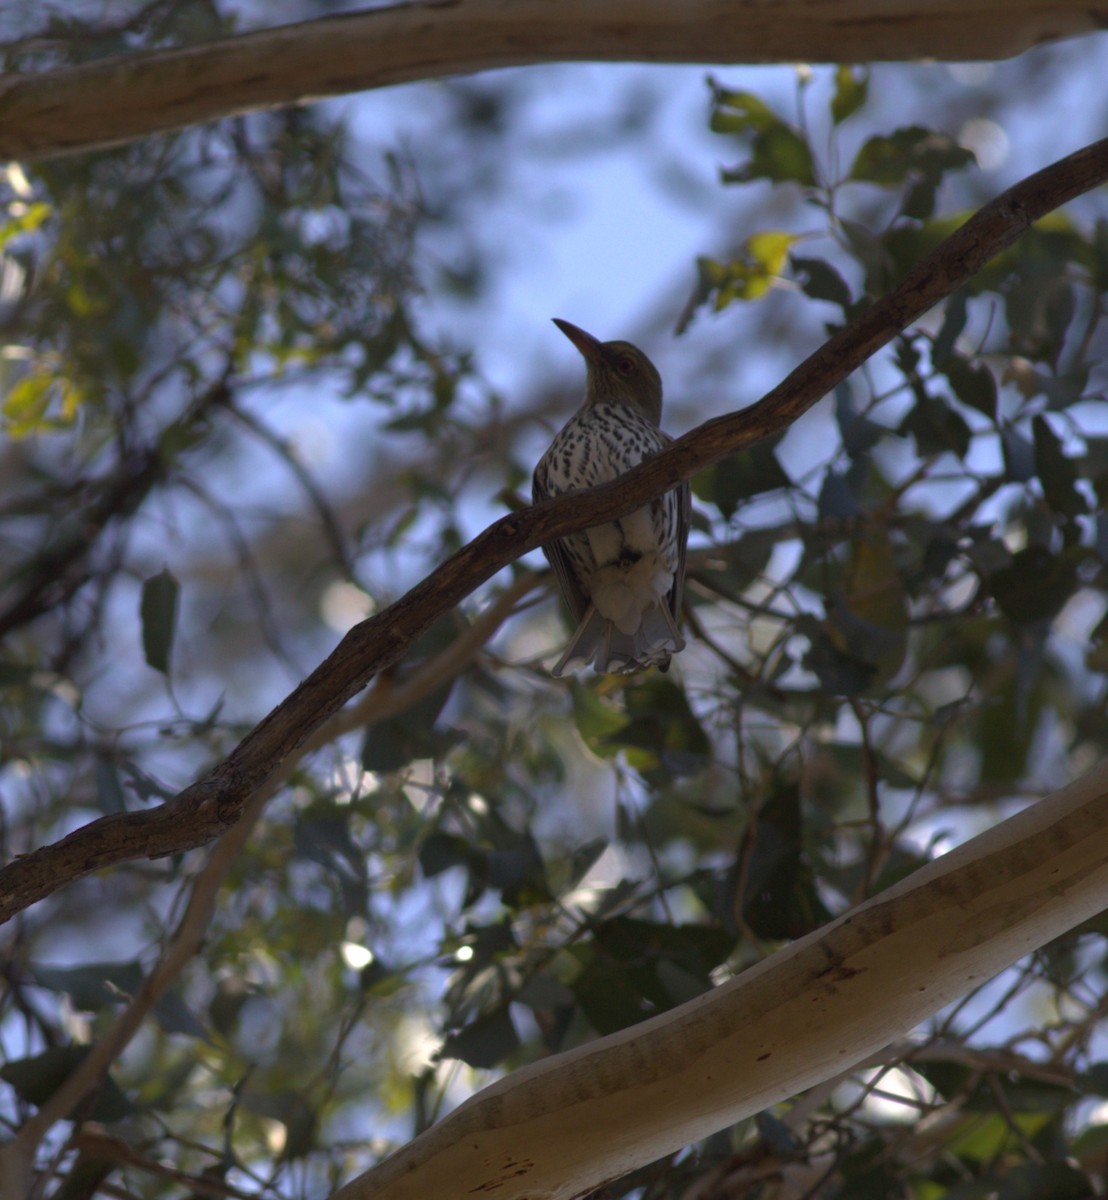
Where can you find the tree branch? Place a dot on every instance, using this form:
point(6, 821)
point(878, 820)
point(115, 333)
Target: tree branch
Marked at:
point(117, 100)
point(206, 808)
point(564, 1125)
point(17, 1156)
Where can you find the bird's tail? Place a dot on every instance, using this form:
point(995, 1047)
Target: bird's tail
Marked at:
point(599, 642)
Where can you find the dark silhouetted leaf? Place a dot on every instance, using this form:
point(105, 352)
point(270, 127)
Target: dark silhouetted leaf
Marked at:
point(1094, 1078)
point(837, 500)
point(441, 851)
point(746, 474)
point(936, 427)
point(1056, 471)
point(954, 321)
point(36, 1079)
point(174, 1016)
point(1035, 585)
point(1045, 1181)
point(839, 672)
point(909, 151)
point(736, 111)
point(780, 155)
point(92, 986)
point(159, 619)
point(662, 737)
point(972, 383)
point(821, 281)
point(109, 789)
point(1019, 455)
point(584, 858)
point(780, 898)
point(485, 1042)
point(517, 871)
point(859, 434)
point(393, 742)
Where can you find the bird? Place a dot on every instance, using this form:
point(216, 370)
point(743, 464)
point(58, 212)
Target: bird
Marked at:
point(622, 581)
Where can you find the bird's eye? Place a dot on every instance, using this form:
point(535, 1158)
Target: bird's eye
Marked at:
point(626, 366)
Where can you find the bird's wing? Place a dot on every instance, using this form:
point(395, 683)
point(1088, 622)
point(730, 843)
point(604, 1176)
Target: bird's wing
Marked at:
point(574, 597)
point(684, 515)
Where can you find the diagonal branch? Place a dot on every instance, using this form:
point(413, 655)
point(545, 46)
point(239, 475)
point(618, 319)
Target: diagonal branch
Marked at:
point(207, 807)
point(116, 100)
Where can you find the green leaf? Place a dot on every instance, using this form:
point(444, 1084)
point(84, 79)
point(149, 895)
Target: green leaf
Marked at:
point(749, 276)
point(779, 154)
point(739, 112)
point(851, 90)
point(293, 1110)
point(636, 967)
point(663, 737)
point(611, 994)
point(909, 151)
point(29, 218)
point(40, 402)
point(986, 1137)
point(598, 722)
point(159, 618)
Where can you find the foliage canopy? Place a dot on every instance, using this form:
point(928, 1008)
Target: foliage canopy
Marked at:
point(897, 614)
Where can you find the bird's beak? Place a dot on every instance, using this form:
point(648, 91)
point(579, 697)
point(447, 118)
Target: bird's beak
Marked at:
point(590, 347)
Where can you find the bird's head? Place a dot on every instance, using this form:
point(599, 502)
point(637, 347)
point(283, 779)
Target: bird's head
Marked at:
point(618, 373)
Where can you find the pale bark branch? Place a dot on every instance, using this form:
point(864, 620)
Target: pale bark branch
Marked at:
point(120, 99)
point(560, 1127)
point(208, 807)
